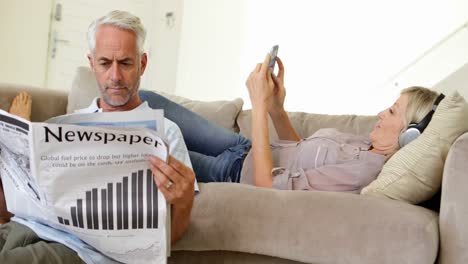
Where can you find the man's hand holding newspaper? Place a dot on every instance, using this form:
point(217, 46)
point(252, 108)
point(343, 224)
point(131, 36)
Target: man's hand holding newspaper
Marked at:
point(90, 175)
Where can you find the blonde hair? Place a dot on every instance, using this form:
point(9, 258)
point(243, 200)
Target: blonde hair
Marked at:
point(420, 102)
point(120, 19)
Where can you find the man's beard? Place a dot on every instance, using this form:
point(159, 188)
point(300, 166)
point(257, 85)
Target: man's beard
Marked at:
point(124, 99)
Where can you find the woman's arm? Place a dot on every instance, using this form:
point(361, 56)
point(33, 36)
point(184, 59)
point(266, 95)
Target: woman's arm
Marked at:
point(262, 160)
point(283, 126)
point(278, 115)
point(260, 86)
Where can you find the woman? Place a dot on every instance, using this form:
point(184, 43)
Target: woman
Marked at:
point(328, 160)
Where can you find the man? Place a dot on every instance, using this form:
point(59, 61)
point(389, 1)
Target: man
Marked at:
point(116, 58)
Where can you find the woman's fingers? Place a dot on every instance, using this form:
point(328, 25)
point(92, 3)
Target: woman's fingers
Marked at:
point(266, 61)
point(280, 68)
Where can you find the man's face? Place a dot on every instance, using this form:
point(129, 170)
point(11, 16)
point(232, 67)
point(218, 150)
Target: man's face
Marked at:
point(117, 68)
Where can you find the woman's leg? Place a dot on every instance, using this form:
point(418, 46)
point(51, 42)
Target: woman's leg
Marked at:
point(225, 167)
point(216, 153)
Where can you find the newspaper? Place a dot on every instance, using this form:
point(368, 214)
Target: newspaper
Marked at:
point(88, 175)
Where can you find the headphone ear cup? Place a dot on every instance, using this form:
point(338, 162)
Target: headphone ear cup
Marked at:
point(407, 136)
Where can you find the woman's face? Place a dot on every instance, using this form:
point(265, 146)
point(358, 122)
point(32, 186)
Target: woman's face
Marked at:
point(385, 135)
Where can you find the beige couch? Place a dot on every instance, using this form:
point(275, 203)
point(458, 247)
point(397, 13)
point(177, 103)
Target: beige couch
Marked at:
point(235, 223)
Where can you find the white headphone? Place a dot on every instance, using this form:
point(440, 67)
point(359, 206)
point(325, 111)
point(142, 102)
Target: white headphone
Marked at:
point(415, 129)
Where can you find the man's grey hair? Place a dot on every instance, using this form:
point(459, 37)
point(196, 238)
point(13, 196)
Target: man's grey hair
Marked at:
point(120, 19)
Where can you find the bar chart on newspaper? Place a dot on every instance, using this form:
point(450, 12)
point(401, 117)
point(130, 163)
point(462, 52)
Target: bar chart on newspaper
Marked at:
point(119, 206)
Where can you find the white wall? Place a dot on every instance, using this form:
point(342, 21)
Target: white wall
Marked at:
point(437, 68)
point(165, 41)
point(24, 28)
point(209, 61)
point(340, 55)
point(457, 81)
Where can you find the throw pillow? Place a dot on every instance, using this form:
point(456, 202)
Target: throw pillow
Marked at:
point(223, 113)
point(414, 173)
point(85, 89)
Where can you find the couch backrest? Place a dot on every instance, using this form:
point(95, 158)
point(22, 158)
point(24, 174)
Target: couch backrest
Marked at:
point(226, 113)
point(306, 123)
point(46, 103)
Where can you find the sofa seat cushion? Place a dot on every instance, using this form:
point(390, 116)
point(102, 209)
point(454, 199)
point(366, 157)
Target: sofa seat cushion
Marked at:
point(204, 257)
point(310, 226)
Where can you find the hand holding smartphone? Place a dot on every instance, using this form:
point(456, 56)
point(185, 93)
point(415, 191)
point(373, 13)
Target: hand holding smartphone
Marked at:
point(273, 53)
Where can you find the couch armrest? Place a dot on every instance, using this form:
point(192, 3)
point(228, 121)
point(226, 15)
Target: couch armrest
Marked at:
point(310, 227)
point(453, 216)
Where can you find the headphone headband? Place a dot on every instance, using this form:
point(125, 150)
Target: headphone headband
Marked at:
point(425, 121)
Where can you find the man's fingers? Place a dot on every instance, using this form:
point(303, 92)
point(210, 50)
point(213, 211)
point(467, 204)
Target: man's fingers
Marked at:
point(166, 193)
point(174, 170)
point(172, 191)
point(165, 169)
point(175, 192)
point(162, 188)
point(178, 166)
point(185, 173)
point(159, 177)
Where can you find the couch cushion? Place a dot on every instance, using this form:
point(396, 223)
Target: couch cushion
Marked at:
point(306, 124)
point(45, 103)
point(224, 113)
point(414, 173)
point(310, 227)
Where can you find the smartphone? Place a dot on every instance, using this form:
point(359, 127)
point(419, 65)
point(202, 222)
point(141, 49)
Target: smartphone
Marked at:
point(273, 53)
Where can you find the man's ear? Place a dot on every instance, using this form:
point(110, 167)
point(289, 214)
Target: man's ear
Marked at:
point(144, 62)
point(91, 62)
